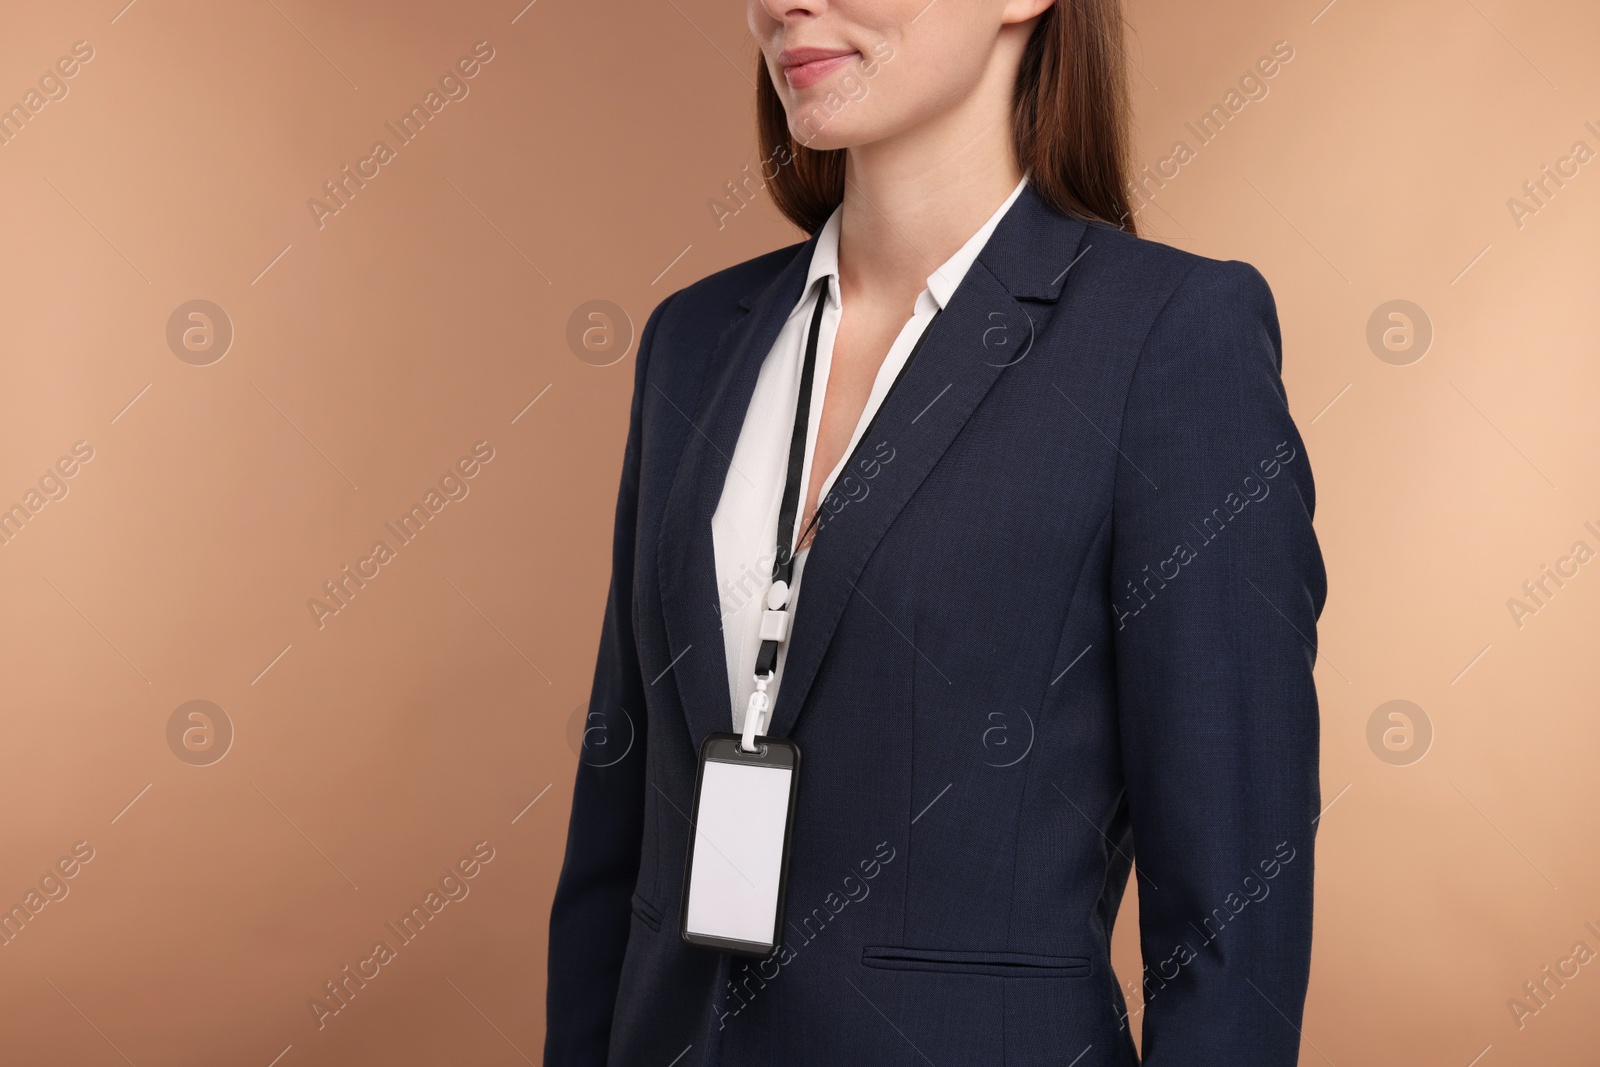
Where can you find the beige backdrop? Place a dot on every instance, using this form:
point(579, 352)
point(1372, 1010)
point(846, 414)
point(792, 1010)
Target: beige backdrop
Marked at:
point(188, 484)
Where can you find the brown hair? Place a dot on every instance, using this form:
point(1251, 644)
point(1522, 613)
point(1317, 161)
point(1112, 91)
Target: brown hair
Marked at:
point(1069, 124)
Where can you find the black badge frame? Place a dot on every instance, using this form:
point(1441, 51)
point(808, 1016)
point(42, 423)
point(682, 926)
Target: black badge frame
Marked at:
point(770, 754)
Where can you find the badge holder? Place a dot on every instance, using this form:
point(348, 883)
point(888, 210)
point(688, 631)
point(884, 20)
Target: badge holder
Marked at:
point(737, 875)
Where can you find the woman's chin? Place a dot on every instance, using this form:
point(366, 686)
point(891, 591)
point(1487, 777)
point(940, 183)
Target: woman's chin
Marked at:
point(835, 135)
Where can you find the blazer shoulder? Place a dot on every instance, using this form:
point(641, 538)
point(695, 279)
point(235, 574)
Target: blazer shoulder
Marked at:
point(1172, 275)
point(1164, 293)
point(714, 300)
point(1166, 269)
point(1199, 319)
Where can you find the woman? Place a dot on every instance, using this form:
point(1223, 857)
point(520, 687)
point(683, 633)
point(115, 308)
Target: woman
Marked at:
point(1053, 609)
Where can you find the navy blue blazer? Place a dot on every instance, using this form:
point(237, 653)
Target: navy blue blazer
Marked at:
point(1062, 617)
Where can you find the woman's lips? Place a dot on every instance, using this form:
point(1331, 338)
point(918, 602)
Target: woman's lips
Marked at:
point(804, 67)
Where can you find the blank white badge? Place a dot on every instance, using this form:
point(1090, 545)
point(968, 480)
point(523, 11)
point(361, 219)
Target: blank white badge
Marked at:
point(738, 852)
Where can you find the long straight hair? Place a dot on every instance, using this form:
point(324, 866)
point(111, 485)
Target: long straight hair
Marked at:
point(1069, 124)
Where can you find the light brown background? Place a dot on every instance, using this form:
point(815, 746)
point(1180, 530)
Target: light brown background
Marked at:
point(428, 314)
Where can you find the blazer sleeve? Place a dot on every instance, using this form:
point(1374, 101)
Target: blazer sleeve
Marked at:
point(591, 912)
point(1217, 583)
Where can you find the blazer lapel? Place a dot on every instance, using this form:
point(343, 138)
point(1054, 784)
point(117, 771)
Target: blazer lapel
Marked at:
point(691, 604)
point(982, 331)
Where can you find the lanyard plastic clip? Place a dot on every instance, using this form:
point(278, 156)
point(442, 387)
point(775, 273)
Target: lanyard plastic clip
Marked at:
point(755, 714)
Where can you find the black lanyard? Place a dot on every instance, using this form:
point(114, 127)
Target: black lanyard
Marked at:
point(783, 561)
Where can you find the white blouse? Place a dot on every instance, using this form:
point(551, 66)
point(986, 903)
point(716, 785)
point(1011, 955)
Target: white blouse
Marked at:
point(744, 530)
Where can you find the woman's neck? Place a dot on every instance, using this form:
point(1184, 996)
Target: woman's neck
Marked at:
point(911, 201)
